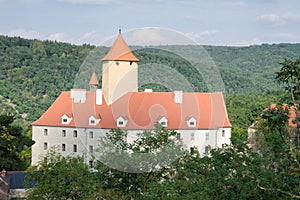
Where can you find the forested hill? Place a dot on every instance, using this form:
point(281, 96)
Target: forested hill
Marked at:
point(33, 73)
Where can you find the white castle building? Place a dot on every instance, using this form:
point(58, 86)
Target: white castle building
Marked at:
point(77, 118)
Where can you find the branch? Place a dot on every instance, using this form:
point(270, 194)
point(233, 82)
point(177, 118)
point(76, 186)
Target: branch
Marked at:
point(283, 192)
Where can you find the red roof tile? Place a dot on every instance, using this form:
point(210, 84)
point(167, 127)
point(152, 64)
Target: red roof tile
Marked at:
point(142, 109)
point(120, 51)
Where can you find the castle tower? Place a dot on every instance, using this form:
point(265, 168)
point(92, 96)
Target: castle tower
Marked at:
point(119, 71)
point(93, 82)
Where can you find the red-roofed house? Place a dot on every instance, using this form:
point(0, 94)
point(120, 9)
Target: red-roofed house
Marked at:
point(76, 120)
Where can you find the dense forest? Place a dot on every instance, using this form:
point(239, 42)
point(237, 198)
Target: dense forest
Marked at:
point(34, 73)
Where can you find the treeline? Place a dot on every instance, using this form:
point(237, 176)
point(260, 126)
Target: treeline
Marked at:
point(33, 72)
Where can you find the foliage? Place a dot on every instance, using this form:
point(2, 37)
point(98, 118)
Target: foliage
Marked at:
point(12, 142)
point(129, 168)
point(59, 177)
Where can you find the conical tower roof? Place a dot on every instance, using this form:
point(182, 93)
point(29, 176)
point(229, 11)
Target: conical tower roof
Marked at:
point(94, 80)
point(120, 51)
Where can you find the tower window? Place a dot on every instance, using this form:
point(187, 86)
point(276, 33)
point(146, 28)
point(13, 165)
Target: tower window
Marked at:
point(45, 131)
point(45, 145)
point(91, 149)
point(223, 133)
point(63, 147)
point(130, 63)
point(74, 148)
point(91, 164)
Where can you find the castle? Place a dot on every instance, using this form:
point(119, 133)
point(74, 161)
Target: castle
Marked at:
point(77, 118)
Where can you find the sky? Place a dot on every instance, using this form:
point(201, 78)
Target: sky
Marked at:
point(207, 22)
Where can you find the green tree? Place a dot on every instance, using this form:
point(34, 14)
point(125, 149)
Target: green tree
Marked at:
point(59, 177)
point(128, 169)
point(12, 142)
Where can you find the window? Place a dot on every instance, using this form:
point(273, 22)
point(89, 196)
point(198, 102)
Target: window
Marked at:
point(178, 136)
point(63, 147)
point(192, 136)
point(75, 133)
point(91, 134)
point(91, 164)
point(163, 121)
point(74, 147)
point(91, 149)
point(207, 136)
point(64, 133)
point(192, 150)
point(223, 133)
point(45, 145)
point(65, 120)
point(121, 121)
point(207, 149)
point(45, 131)
point(93, 120)
point(191, 122)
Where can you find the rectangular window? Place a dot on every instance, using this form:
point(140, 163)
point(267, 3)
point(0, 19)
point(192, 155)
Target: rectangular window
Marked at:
point(45, 145)
point(223, 133)
point(91, 149)
point(91, 164)
point(207, 136)
point(65, 120)
point(178, 136)
point(45, 131)
point(91, 134)
point(192, 136)
point(64, 133)
point(120, 122)
point(75, 133)
point(92, 121)
point(207, 149)
point(192, 123)
point(74, 147)
point(63, 147)
point(163, 123)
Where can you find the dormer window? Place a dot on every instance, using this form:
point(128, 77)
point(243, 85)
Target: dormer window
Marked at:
point(93, 120)
point(121, 121)
point(66, 118)
point(163, 121)
point(191, 122)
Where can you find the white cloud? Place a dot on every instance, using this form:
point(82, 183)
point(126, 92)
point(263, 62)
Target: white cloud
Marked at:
point(91, 2)
point(200, 36)
point(254, 41)
point(272, 19)
point(20, 32)
point(275, 19)
point(58, 37)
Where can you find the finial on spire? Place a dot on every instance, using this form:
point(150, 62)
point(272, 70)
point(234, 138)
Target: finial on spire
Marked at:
point(120, 29)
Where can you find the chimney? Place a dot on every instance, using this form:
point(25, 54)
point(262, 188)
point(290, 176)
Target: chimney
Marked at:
point(99, 96)
point(178, 96)
point(78, 95)
point(148, 90)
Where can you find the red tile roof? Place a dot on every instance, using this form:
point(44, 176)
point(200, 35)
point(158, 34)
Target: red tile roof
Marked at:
point(120, 51)
point(142, 110)
point(94, 80)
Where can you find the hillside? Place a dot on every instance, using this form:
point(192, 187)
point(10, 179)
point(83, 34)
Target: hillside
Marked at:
point(33, 73)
